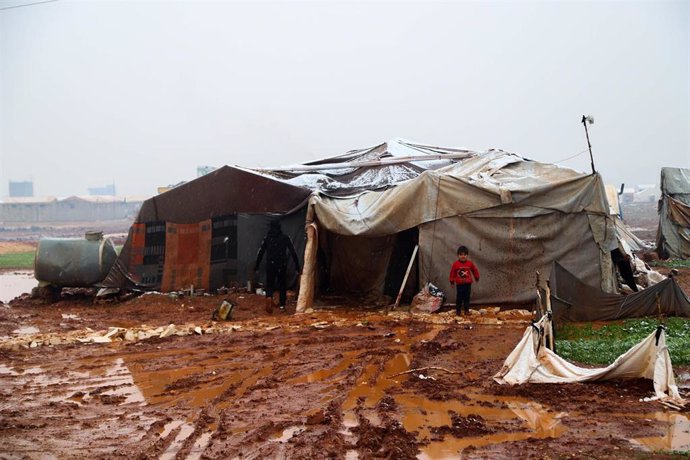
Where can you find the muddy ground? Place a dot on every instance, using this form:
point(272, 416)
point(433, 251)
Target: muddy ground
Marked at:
point(334, 383)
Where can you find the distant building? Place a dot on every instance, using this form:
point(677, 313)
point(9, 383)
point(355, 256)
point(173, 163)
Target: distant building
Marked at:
point(647, 193)
point(628, 195)
point(21, 189)
point(83, 208)
point(105, 190)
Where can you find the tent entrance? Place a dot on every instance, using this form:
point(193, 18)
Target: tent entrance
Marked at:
point(369, 267)
point(405, 242)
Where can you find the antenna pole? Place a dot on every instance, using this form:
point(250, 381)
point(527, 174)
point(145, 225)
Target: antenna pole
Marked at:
point(585, 119)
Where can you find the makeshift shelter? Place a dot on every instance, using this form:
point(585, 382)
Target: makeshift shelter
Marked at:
point(517, 216)
point(366, 212)
point(673, 234)
point(574, 300)
point(206, 233)
point(531, 361)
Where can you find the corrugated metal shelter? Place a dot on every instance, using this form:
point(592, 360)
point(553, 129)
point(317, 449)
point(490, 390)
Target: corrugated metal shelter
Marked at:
point(206, 232)
point(673, 234)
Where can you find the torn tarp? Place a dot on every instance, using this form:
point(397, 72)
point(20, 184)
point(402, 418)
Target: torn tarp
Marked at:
point(531, 362)
point(574, 300)
point(673, 235)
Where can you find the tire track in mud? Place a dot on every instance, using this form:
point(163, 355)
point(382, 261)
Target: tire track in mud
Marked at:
point(141, 392)
point(286, 392)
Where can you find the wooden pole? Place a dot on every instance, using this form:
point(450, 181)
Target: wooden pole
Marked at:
point(549, 331)
point(540, 305)
point(305, 299)
point(407, 273)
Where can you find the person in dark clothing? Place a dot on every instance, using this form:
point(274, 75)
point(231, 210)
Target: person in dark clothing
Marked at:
point(622, 262)
point(276, 245)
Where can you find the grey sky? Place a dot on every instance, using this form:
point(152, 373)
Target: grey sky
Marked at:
point(143, 92)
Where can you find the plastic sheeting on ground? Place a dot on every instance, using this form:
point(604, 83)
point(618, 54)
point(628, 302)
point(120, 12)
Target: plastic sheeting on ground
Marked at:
point(531, 362)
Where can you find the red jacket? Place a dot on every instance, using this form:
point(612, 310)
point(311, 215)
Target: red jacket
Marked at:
point(461, 272)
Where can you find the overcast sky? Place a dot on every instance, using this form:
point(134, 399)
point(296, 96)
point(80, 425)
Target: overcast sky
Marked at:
point(140, 93)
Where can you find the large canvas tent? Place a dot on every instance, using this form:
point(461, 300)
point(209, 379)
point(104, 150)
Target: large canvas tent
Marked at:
point(206, 233)
point(673, 234)
point(517, 217)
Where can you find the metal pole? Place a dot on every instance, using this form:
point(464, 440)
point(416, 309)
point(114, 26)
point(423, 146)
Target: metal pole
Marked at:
point(591, 158)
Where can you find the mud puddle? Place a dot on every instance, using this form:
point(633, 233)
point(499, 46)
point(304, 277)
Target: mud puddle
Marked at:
point(285, 388)
point(677, 433)
point(520, 419)
point(15, 283)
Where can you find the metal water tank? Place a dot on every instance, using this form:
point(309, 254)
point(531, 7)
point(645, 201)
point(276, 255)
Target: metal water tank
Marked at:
point(74, 262)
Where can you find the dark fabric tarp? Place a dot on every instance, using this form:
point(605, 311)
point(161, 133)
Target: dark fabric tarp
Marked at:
point(226, 190)
point(232, 208)
point(573, 300)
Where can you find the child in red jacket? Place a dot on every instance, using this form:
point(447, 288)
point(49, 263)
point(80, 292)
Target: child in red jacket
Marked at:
point(461, 274)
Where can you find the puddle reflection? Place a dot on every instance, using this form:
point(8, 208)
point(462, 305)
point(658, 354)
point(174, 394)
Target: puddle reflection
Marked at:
point(284, 435)
point(422, 414)
point(324, 374)
point(372, 384)
point(677, 435)
point(186, 430)
point(16, 283)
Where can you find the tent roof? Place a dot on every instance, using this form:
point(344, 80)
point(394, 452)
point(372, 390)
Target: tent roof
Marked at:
point(490, 184)
point(372, 168)
point(675, 181)
point(398, 161)
point(227, 190)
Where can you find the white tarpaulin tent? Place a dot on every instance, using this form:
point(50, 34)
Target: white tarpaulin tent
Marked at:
point(530, 361)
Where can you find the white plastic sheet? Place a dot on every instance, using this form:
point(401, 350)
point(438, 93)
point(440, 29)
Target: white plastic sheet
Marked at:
point(530, 361)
